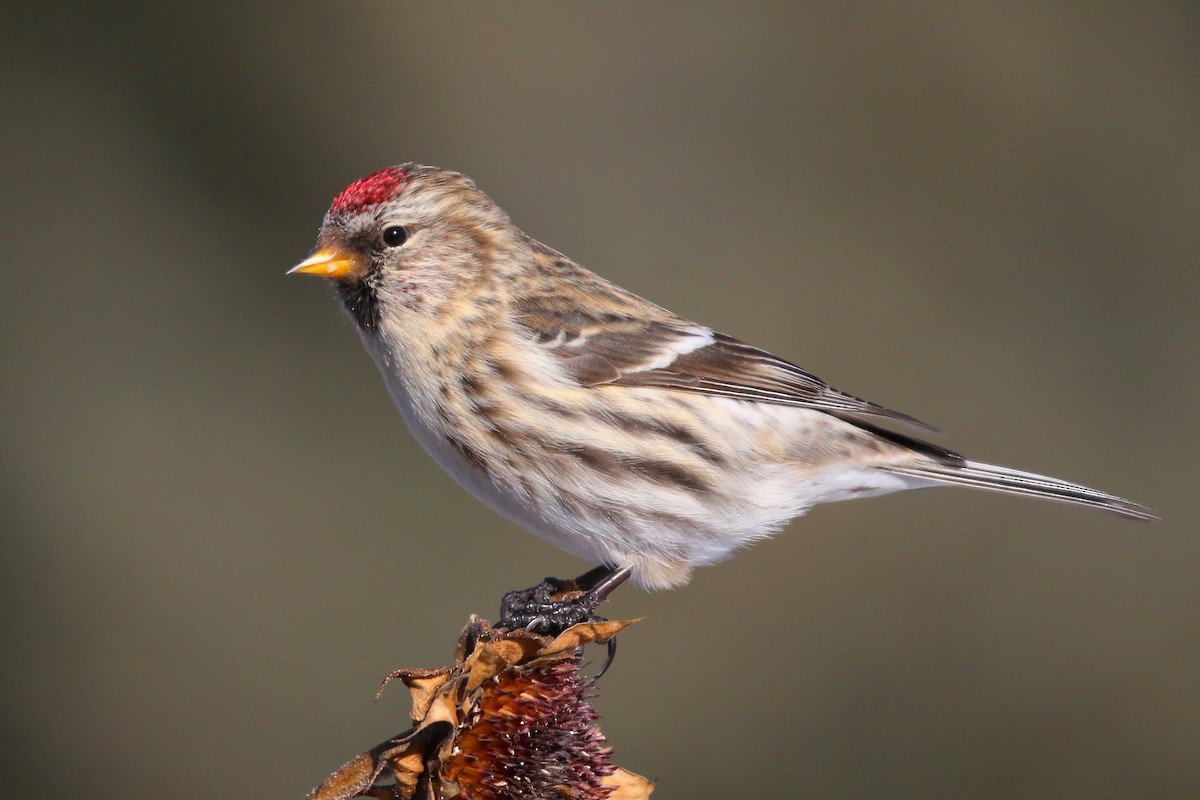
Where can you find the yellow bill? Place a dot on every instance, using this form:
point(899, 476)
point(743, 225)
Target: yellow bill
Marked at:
point(331, 262)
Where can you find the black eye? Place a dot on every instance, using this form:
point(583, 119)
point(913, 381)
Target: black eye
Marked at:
point(394, 236)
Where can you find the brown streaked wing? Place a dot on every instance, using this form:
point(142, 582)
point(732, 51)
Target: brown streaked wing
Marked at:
point(609, 348)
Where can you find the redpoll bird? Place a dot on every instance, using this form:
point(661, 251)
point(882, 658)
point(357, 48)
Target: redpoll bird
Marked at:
point(621, 432)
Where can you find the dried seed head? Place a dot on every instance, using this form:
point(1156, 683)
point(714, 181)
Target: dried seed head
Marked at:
point(510, 719)
point(531, 734)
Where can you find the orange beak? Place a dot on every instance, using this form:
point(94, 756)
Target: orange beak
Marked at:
point(333, 262)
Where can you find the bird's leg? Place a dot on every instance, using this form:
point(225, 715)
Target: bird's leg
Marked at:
point(593, 579)
point(555, 605)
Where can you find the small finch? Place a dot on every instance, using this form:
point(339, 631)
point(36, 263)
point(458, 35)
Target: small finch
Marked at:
point(629, 436)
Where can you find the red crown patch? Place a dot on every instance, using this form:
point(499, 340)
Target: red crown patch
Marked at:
point(371, 190)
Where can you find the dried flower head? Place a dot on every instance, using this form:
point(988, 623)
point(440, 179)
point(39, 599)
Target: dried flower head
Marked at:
point(511, 719)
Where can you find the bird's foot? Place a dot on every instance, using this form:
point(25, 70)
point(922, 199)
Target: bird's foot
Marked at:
point(555, 605)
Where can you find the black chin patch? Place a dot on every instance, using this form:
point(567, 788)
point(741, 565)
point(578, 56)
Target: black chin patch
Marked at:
point(359, 298)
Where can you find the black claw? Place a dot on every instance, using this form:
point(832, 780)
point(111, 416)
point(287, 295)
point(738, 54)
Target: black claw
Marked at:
point(609, 658)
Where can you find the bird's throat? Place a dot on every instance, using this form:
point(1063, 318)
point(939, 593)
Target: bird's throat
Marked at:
point(359, 298)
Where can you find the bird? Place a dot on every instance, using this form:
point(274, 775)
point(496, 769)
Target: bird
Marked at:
point(642, 442)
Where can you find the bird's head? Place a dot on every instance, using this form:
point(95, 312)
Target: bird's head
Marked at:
point(407, 240)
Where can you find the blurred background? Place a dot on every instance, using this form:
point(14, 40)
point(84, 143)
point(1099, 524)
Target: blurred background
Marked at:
point(218, 536)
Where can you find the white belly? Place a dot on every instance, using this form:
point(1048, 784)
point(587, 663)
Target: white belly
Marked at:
point(476, 480)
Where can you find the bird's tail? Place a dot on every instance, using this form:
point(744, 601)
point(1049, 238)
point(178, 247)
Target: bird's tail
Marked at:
point(1002, 479)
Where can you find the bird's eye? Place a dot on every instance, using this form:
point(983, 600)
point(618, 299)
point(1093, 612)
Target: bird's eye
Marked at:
point(394, 236)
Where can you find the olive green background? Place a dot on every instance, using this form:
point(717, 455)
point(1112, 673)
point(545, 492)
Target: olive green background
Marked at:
point(218, 536)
